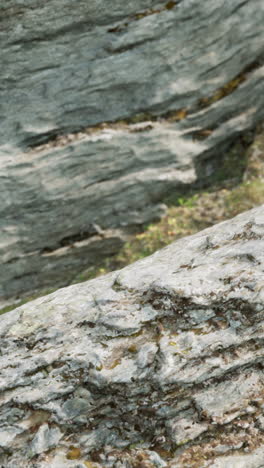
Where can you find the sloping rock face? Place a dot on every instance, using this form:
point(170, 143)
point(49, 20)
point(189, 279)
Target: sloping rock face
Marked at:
point(106, 110)
point(156, 365)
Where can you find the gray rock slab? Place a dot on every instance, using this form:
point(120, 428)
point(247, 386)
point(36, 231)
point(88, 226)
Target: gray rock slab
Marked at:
point(142, 99)
point(254, 460)
point(161, 362)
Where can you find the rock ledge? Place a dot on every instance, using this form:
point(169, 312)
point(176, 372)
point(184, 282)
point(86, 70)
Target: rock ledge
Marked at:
point(156, 365)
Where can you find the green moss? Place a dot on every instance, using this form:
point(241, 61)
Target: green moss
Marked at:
point(8, 308)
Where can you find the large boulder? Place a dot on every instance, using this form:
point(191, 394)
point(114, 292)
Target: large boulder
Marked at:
point(156, 365)
point(105, 110)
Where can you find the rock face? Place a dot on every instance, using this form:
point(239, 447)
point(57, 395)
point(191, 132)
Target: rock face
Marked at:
point(156, 365)
point(106, 110)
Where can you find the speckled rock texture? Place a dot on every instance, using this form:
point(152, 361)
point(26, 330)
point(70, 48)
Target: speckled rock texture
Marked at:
point(105, 110)
point(156, 365)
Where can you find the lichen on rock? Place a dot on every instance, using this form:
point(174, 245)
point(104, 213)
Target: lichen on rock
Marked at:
point(159, 364)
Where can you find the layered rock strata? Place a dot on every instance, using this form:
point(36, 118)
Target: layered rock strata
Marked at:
point(156, 365)
point(107, 110)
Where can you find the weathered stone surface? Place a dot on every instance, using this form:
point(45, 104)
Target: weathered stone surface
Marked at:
point(159, 364)
point(140, 96)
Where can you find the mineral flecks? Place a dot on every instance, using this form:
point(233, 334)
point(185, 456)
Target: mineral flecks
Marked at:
point(156, 365)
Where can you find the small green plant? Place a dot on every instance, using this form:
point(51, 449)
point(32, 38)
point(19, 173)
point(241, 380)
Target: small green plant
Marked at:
point(189, 202)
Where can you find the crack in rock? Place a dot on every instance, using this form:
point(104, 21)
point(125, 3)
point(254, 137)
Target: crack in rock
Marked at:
point(156, 362)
